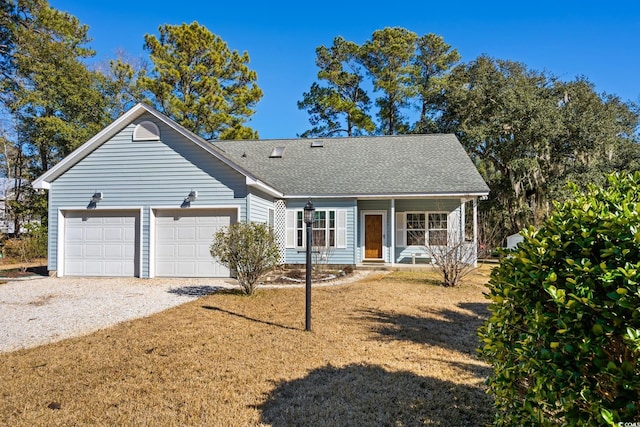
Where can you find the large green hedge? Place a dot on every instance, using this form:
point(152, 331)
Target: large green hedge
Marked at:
point(564, 333)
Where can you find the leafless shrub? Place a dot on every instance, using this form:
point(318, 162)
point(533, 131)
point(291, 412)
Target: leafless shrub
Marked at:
point(453, 256)
point(321, 256)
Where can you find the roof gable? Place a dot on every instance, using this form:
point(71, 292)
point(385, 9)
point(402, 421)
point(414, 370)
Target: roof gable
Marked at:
point(45, 180)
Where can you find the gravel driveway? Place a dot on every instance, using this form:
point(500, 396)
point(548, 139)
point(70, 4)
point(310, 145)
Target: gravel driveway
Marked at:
point(39, 311)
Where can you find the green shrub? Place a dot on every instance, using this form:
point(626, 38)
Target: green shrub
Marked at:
point(249, 249)
point(564, 333)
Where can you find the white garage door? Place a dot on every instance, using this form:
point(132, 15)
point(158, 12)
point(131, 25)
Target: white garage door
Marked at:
point(100, 243)
point(183, 239)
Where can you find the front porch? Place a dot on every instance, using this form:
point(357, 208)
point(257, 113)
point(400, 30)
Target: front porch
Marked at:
point(411, 232)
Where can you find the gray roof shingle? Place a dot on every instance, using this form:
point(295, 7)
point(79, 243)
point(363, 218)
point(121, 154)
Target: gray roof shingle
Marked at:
point(363, 166)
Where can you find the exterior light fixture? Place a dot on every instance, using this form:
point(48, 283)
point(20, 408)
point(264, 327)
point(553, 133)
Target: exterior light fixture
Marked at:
point(97, 197)
point(193, 195)
point(309, 214)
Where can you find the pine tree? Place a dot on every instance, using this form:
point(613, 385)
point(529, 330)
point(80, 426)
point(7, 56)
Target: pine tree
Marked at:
point(199, 82)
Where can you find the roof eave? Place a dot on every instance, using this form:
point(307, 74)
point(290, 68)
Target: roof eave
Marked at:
point(388, 195)
point(265, 188)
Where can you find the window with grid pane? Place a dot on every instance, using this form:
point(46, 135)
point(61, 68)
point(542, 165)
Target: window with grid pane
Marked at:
point(320, 228)
point(299, 229)
point(415, 229)
point(437, 229)
point(325, 227)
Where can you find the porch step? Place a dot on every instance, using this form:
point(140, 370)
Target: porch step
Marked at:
point(387, 267)
point(374, 265)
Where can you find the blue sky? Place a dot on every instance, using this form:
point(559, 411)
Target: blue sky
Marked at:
point(600, 40)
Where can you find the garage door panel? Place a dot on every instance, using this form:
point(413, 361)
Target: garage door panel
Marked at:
point(74, 235)
point(73, 250)
point(118, 269)
point(187, 233)
point(165, 234)
point(101, 243)
point(130, 252)
point(165, 251)
point(186, 269)
point(207, 232)
point(91, 234)
point(186, 251)
point(91, 251)
point(184, 239)
point(130, 233)
point(114, 251)
point(116, 235)
point(93, 268)
point(204, 251)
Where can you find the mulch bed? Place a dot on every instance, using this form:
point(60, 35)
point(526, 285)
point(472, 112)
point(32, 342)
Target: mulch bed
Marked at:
point(19, 273)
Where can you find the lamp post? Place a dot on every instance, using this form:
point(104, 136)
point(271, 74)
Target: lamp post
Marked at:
point(309, 211)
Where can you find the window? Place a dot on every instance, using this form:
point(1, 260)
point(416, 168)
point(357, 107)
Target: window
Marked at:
point(415, 229)
point(299, 229)
point(324, 229)
point(329, 228)
point(146, 131)
point(421, 228)
point(277, 153)
point(438, 229)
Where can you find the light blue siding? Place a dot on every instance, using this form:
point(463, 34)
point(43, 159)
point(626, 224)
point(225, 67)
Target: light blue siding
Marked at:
point(258, 206)
point(341, 256)
point(145, 174)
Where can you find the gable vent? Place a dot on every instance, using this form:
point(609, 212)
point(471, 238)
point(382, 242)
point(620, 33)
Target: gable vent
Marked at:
point(315, 144)
point(277, 153)
point(146, 131)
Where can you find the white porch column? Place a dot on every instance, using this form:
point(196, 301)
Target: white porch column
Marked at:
point(392, 249)
point(475, 231)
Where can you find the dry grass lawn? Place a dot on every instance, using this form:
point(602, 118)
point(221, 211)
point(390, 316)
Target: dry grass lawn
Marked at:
point(390, 350)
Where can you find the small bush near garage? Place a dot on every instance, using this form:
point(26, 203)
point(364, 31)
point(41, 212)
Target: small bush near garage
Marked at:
point(564, 334)
point(28, 247)
point(249, 249)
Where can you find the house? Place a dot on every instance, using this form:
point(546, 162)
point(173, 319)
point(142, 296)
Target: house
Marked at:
point(9, 190)
point(144, 196)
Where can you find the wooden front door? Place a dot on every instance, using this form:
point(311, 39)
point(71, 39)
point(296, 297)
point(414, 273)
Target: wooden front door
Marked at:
point(373, 236)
